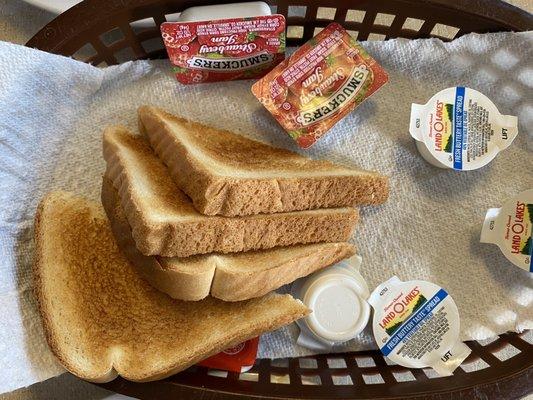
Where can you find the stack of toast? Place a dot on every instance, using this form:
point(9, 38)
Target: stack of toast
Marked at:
point(202, 225)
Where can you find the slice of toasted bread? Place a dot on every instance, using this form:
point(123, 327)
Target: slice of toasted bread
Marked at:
point(164, 221)
point(229, 277)
point(102, 319)
point(228, 174)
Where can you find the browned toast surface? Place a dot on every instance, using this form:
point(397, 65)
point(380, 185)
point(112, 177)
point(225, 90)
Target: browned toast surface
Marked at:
point(228, 174)
point(164, 222)
point(102, 319)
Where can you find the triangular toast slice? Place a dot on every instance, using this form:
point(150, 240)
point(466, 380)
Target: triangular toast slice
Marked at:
point(102, 319)
point(229, 277)
point(164, 221)
point(228, 174)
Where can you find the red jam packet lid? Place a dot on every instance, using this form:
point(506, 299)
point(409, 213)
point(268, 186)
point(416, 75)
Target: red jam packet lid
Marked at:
point(226, 49)
point(319, 84)
point(238, 358)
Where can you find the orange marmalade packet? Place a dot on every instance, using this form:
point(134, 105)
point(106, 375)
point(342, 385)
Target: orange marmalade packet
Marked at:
point(319, 84)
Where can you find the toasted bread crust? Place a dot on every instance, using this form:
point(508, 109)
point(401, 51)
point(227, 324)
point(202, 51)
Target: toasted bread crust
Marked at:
point(191, 284)
point(102, 320)
point(230, 285)
point(227, 174)
point(164, 222)
point(44, 301)
point(226, 277)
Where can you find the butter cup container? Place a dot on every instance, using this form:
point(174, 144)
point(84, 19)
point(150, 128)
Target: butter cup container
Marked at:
point(460, 128)
point(416, 324)
point(337, 297)
point(511, 229)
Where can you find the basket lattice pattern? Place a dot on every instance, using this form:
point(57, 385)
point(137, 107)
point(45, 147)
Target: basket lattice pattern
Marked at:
point(367, 375)
point(107, 32)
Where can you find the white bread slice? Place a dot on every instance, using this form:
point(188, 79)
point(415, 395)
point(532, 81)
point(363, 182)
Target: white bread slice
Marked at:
point(228, 174)
point(102, 319)
point(229, 277)
point(164, 221)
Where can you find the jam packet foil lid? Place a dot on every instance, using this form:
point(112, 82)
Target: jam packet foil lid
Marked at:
point(319, 84)
point(511, 228)
point(227, 49)
point(460, 128)
point(416, 324)
point(239, 358)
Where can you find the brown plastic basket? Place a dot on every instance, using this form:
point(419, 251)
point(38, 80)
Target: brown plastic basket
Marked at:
point(101, 32)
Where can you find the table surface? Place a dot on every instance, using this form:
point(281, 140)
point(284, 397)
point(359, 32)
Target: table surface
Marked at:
point(19, 21)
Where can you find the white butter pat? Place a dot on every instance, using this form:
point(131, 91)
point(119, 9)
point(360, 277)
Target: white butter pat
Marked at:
point(460, 128)
point(416, 324)
point(225, 11)
point(337, 296)
point(511, 229)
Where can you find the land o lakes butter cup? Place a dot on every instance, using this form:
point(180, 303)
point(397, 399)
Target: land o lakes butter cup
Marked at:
point(460, 128)
point(511, 229)
point(224, 42)
point(416, 324)
point(337, 297)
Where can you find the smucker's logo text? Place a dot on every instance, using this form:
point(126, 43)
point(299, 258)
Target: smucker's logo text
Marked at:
point(229, 64)
point(317, 77)
point(222, 44)
point(337, 100)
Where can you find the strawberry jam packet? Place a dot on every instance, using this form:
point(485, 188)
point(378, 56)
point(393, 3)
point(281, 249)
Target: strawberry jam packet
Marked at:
point(239, 358)
point(225, 49)
point(319, 84)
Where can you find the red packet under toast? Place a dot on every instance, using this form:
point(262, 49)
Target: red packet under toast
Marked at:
point(225, 49)
point(239, 358)
point(319, 84)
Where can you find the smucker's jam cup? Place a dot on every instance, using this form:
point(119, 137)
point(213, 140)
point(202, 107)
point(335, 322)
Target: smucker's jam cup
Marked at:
point(319, 84)
point(221, 43)
point(239, 358)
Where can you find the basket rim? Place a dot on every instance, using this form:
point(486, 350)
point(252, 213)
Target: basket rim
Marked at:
point(102, 14)
point(50, 38)
point(514, 383)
